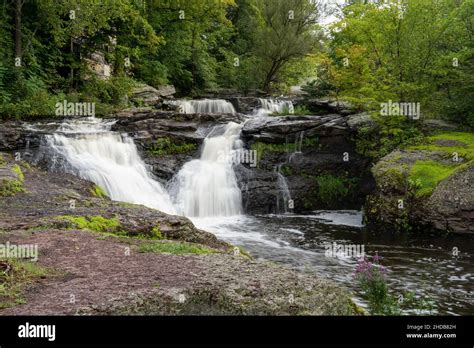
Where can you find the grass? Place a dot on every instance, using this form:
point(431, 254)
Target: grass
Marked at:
point(175, 248)
point(428, 174)
point(165, 146)
point(465, 149)
point(15, 276)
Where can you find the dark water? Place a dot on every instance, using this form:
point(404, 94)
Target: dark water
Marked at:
point(440, 268)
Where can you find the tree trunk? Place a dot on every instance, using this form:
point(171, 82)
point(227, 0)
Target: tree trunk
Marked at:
point(18, 48)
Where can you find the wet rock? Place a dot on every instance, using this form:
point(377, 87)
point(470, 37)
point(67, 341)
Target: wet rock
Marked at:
point(303, 148)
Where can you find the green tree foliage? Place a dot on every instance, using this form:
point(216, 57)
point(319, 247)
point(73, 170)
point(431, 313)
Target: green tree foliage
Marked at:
point(405, 51)
point(285, 31)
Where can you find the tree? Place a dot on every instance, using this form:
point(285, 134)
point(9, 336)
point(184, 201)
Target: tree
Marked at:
point(285, 30)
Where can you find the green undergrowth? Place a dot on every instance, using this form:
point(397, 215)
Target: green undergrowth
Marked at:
point(261, 148)
point(165, 146)
point(15, 276)
point(333, 189)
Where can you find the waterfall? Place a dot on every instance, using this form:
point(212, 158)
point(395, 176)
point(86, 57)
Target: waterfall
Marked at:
point(88, 149)
point(298, 147)
point(208, 186)
point(269, 106)
point(283, 191)
point(205, 106)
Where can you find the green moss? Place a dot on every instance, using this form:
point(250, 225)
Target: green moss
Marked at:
point(93, 223)
point(10, 188)
point(165, 146)
point(17, 170)
point(175, 248)
point(427, 174)
point(464, 149)
point(394, 176)
point(15, 276)
point(98, 191)
point(2, 160)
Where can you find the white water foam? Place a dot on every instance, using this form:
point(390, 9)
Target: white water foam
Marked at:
point(208, 186)
point(110, 160)
point(205, 106)
point(270, 106)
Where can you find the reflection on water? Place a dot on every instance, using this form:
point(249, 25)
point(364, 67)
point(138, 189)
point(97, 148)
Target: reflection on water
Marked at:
point(426, 264)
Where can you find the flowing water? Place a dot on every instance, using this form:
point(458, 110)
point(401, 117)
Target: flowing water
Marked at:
point(425, 265)
point(208, 186)
point(88, 149)
point(206, 190)
point(208, 106)
point(271, 106)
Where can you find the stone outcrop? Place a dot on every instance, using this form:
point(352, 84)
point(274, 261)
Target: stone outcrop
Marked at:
point(151, 96)
point(395, 205)
point(305, 150)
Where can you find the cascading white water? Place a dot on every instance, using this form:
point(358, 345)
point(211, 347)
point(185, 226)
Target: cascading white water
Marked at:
point(208, 186)
point(283, 194)
point(108, 159)
point(206, 106)
point(269, 106)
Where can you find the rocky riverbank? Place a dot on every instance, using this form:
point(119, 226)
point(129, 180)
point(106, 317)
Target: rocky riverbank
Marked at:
point(97, 256)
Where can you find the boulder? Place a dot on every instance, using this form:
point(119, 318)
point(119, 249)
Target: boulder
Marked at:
point(148, 95)
point(358, 121)
point(398, 204)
